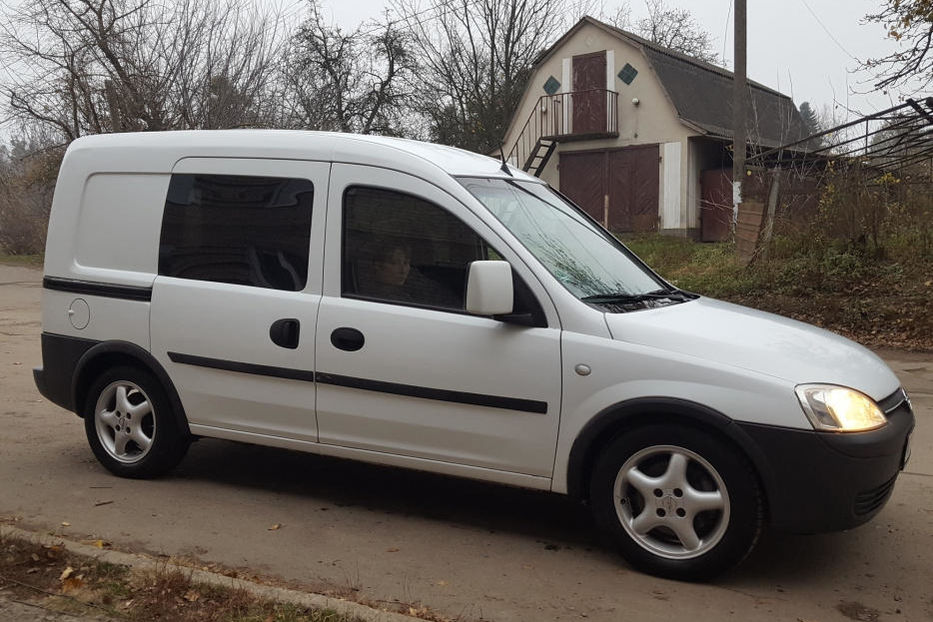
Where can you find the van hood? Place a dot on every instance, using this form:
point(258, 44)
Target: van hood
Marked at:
point(762, 342)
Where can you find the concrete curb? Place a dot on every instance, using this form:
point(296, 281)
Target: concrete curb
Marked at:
point(266, 592)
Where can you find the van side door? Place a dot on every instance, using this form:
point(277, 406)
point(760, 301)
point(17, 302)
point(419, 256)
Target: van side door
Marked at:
point(237, 294)
point(402, 369)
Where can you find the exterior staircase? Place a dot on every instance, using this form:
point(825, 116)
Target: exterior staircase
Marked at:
point(539, 156)
point(553, 120)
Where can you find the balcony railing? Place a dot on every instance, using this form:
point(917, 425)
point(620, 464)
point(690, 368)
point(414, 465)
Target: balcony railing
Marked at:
point(578, 115)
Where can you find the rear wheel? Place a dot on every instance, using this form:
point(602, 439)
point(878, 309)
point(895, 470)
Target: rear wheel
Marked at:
point(677, 501)
point(130, 424)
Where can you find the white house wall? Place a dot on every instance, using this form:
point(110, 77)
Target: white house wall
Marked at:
point(671, 175)
point(653, 121)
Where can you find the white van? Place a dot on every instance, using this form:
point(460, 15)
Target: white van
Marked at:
point(420, 306)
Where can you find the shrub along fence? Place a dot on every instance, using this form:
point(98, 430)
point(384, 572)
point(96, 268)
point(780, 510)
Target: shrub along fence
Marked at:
point(865, 186)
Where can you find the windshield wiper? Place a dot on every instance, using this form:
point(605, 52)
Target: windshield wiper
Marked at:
point(625, 297)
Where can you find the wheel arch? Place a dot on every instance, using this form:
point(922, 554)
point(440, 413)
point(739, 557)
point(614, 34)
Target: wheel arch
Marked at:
point(614, 420)
point(108, 354)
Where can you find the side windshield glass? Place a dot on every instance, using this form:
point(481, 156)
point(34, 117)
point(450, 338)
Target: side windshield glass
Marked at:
point(579, 254)
point(402, 249)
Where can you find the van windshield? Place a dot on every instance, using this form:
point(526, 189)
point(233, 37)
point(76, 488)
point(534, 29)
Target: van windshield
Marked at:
point(582, 256)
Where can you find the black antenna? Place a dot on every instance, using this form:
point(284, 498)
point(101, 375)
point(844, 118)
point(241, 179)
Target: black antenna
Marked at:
point(505, 166)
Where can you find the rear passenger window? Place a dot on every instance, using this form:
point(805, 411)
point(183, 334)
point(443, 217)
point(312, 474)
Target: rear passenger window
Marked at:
point(237, 229)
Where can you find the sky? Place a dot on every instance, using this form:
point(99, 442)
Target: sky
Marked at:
point(808, 49)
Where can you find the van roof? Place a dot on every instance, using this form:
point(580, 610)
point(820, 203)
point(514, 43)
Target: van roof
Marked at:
point(161, 150)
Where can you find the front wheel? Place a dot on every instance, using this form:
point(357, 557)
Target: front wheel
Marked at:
point(130, 424)
point(677, 501)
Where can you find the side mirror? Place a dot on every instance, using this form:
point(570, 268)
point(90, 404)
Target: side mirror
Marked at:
point(489, 288)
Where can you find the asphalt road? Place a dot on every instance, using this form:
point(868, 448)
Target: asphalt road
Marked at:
point(463, 548)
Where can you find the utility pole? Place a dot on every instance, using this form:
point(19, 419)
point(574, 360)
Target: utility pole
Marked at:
point(739, 107)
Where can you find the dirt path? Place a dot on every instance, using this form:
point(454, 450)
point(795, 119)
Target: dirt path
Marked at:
point(463, 548)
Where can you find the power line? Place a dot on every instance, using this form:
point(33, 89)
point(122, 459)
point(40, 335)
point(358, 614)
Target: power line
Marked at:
point(725, 31)
point(826, 30)
point(444, 4)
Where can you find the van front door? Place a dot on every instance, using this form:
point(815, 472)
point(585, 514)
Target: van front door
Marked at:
point(234, 305)
point(401, 368)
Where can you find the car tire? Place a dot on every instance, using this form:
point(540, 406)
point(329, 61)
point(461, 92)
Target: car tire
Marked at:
point(131, 426)
point(677, 501)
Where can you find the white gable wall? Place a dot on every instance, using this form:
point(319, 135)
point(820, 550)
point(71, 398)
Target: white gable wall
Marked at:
point(653, 121)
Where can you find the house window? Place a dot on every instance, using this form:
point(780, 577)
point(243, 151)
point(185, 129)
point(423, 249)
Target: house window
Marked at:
point(628, 74)
point(237, 229)
point(551, 86)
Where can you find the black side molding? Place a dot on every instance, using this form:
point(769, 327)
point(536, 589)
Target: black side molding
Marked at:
point(444, 395)
point(245, 368)
point(96, 288)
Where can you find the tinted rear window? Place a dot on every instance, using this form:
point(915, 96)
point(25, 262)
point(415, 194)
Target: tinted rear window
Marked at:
point(237, 229)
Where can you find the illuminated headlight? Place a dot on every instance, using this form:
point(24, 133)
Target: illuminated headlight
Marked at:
point(838, 409)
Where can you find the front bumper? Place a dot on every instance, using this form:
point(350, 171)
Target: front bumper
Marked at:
point(821, 481)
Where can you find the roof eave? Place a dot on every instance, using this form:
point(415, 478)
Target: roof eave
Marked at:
point(690, 124)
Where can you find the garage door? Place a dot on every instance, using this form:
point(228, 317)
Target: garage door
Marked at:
point(629, 177)
point(583, 178)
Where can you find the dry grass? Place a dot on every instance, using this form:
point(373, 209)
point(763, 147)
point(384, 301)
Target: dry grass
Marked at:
point(877, 301)
point(27, 261)
point(50, 577)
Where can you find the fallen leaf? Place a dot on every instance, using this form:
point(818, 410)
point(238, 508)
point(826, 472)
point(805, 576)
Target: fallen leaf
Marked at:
point(32, 571)
point(34, 557)
point(442, 583)
point(191, 596)
point(392, 550)
point(67, 572)
point(275, 527)
point(128, 604)
point(72, 584)
point(66, 523)
point(100, 503)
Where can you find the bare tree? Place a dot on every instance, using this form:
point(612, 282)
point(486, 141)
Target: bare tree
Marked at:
point(671, 27)
point(910, 23)
point(355, 81)
point(475, 57)
point(28, 167)
point(92, 66)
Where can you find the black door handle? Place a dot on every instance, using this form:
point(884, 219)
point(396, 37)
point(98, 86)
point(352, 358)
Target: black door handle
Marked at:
point(348, 339)
point(285, 332)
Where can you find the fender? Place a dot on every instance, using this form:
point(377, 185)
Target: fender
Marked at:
point(90, 364)
point(609, 422)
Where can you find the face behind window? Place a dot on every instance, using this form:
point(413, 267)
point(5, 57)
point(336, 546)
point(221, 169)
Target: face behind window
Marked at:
point(393, 267)
point(400, 248)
